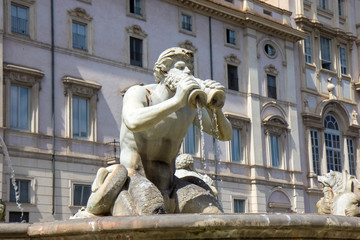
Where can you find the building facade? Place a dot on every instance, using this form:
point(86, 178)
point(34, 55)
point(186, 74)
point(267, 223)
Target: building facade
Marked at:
point(290, 69)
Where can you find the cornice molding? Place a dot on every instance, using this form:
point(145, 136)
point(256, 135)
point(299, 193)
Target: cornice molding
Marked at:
point(245, 19)
point(335, 32)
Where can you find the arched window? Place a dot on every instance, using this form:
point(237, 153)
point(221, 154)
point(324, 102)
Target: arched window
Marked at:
point(332, 143)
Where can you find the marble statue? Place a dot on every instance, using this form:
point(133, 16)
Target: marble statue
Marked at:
point(155, 119)
point(341, 194)
point(185, 170)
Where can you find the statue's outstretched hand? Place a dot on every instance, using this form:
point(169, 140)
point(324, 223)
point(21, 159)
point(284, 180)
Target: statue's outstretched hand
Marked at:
point(186, 84)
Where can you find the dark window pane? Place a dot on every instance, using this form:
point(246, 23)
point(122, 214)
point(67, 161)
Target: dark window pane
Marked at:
point(136, 52)
point(16, 217)
point(23, 188)
point(19, 19)
point(79, 35)
point(271, 86)
point(136, 7)
point(233, 78)
point(230, 36)
point(186, 22)
point(81, 194)
point(239, 206)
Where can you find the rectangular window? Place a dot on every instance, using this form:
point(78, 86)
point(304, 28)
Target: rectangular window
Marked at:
point(230, 36)
point(136, 7)
point(239, 205)
point(308, 52)
point(341, 7)
point(323, 4)
point(191, 140)
point(80, 117)
point(23, 189)
point(19, 19)
point(271, 86)
point(343, 60)
point(19, 107)
point(136, 51)
point(275, 150)
point(186, 22)
point(325, 53)
point(315, 151)
point(81, 194)
point(236, 146)
point(351, 156)
point(233, 80)
point(79, 36)
point(16, 217)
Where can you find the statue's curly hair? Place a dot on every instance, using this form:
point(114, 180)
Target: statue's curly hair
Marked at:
point(167, 59)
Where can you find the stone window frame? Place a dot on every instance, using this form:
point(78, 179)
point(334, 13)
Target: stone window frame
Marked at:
point(242, 123)
point(86, 89)
point(236, 45)
point(135, 31)
point(27, 77)
point(192, 15)
point(32, 187)
point(276, 125)
point(72, 184)
point(143, 8)
point(271, 70)
point(80, 15)
point(31, 5)
point(233, 60)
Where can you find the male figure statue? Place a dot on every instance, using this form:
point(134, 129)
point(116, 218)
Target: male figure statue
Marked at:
point(155, 119)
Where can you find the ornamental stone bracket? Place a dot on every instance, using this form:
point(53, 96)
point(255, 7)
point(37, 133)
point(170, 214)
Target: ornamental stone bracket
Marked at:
point(237, 121)
point(22, 75)
point(188, 45)
point(275, 124)
point(232, 58)
point(357, 86)
point(80, 13)
point(80, 87)
point(136, 31)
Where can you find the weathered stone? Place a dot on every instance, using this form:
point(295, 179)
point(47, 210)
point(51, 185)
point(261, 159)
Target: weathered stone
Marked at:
point(146, 196)
point(101, 200)
point(191, 226)
point(124, 205)
point(192, 198)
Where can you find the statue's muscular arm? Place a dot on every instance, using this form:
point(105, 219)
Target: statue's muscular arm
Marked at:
point(137, 116)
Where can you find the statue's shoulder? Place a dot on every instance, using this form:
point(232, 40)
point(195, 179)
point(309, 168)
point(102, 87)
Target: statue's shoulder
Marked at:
point(140, 89)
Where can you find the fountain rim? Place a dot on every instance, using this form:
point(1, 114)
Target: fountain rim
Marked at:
point(192, 226)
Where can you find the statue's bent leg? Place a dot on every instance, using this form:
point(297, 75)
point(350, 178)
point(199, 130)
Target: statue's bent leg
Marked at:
point(192, 198)
point(146, 196)
point(101, 200)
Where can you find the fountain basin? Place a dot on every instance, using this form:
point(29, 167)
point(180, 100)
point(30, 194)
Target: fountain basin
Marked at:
point(191, 226)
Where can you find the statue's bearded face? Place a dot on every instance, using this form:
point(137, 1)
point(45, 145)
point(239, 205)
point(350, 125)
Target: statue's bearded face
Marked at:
point(179, 70)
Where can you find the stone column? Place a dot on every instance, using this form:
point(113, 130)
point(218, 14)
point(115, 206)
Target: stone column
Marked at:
point(291, 78)
point(254, 105)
